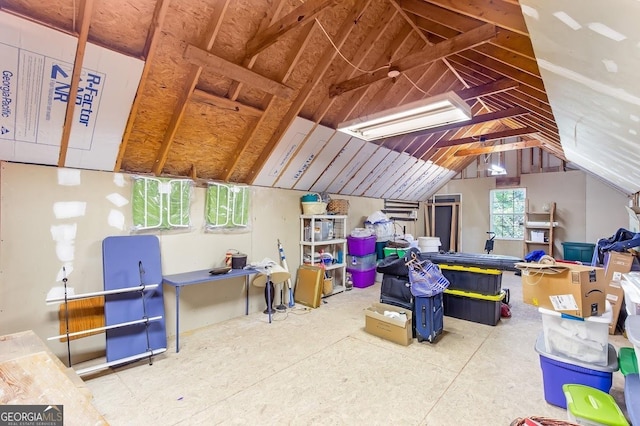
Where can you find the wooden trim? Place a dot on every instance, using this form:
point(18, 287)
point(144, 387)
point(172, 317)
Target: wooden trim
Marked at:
point(498, 148)
point(486, 89)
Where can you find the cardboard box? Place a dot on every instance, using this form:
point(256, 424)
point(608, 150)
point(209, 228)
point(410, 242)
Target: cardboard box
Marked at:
point(576, 290)
point(616, 264)
point(393, 329)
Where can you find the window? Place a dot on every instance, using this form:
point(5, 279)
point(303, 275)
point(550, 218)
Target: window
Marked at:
point(507, 213)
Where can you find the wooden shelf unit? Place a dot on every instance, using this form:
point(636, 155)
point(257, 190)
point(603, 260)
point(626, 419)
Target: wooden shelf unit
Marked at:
point(539, 229)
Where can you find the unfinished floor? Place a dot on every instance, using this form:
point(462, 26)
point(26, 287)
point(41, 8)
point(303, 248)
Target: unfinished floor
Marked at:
point(321, 367)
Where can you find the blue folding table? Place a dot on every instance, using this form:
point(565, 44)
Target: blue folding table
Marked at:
point(203, 276)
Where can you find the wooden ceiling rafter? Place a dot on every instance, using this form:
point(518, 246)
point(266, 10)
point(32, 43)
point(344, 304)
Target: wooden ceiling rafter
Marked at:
point(250, 59)
point(501, 14)
point(327, 57)
point(183, 100)
point(542, 113)
point(486, 89)
point(223, 102)
point(505, 39)
point(358, 59)
point(505, 146)
point(148, 53)
point(357, 96)
point(268, 103)
point(216, 64)
point(438, 33)
point(84, 13)
point(486, 137)
point(482, 72)
point(410, 20)
point(301, 15)
point(438, 51)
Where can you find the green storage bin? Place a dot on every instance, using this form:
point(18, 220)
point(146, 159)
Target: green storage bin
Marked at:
point(627, 361)
point(580, 252)
point(388, 251)
point(590, 406)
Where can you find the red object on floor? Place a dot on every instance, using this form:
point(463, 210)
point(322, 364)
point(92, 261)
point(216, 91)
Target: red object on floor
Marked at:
point(505, 311)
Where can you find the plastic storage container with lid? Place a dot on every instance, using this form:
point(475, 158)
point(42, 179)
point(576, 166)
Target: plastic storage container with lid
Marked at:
point(582, 339)
point(558, 371)
point(631, 294)
point(589, 406)
point(632, 327)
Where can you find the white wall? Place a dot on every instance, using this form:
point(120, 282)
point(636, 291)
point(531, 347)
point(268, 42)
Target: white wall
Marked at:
point(586, 209)
point(31, 261)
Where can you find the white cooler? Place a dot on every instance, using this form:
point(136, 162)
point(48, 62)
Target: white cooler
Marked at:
point(580, 339)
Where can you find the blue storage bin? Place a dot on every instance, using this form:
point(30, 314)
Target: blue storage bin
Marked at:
point(558, 371)
point(632, 397)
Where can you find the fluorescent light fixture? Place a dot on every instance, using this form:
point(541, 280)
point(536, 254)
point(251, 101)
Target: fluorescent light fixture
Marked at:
point(496, 170)
point(419, 115)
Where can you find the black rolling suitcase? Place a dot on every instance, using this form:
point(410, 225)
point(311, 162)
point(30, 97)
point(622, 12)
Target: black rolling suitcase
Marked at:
point(428, 313)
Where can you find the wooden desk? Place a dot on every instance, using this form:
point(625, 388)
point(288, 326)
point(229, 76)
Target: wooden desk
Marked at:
point(199, 277)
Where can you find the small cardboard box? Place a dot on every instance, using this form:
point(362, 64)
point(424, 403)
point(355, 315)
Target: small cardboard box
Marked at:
point(576, 290)
point(616, 264)
point(537, 236)
point(393, 329)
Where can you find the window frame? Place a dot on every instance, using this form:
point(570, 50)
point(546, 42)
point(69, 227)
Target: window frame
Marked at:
point(515, 215)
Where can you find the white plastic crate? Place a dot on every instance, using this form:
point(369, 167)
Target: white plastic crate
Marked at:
point(631, 296)
point(580, 339)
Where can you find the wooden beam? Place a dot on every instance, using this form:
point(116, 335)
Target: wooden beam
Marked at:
point(369, 43)
point(84, 13)
point(221, 66)
point(422, 10)
point(305, 91)
point(192, 79)
point(249, 62)
point(499, 148)
point(148, 54)
point(486, 137)
point(494, 87)
point(268, 102)
point(481, 118)
point(499, 13)
point(299, 16)
point(224, 103)
point(441, 50)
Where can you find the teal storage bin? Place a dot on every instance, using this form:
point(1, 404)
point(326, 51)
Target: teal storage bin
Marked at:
point(580, 252)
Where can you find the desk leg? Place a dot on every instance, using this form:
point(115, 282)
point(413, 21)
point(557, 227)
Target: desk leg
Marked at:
point(177, 319)
point(246, 303)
